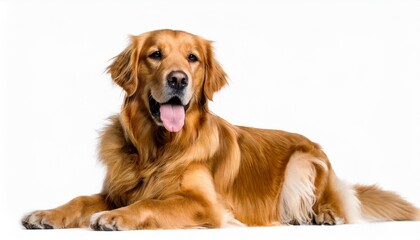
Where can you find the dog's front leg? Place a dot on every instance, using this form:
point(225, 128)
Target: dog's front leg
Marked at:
point(194, 205)
point(73, 214)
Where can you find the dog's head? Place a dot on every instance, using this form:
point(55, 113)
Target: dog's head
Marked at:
point(168, 72)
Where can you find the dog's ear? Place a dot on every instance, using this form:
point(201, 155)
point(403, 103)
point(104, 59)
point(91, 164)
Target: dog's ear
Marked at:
point(123, 69)
point(215, 77)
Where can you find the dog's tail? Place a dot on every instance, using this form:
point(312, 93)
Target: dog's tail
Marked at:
point(379, 205)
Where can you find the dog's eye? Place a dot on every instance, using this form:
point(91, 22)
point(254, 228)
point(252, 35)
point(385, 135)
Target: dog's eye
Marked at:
point(192, 58)
point(156, 55)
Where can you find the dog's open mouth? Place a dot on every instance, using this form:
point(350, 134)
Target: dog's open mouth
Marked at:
point(171, 114)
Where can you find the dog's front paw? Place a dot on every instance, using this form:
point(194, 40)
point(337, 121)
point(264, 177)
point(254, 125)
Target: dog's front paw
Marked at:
point(110, 221)
point(121, 220)
point(43, 220)
point(101, 221)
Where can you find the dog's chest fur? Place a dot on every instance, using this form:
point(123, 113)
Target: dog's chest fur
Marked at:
point(130, 177)
point(132, 184)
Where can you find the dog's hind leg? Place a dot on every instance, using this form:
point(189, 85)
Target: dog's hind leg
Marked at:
point(297, 196)
point(306, 196)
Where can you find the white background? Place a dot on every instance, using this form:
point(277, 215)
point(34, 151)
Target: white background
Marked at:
point(344, 73)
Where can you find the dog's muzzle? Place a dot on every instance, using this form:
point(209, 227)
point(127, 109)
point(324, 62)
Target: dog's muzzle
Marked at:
point(169, 108)
point(170, 114)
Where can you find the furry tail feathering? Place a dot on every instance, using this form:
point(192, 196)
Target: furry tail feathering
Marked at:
point(380, 205)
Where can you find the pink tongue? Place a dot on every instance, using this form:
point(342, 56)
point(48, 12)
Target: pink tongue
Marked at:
point(172, 117)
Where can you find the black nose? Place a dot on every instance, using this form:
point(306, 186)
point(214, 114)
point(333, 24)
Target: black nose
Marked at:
point(177, 80)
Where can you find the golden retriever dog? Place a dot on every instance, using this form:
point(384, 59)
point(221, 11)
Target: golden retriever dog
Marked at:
point(171, 163)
